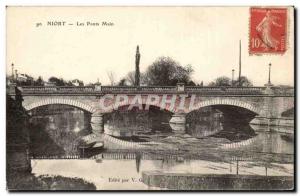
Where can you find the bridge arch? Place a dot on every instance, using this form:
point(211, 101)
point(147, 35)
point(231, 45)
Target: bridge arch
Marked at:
point(230, 102)
point(144, 103)
point(52, 101)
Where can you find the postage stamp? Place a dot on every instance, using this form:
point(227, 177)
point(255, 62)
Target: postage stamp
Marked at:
point(268, 30)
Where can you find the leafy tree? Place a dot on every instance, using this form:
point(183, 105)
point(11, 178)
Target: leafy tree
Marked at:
point(167, 72)
point(57, 81)
point(39, 81)
point(245, 82)
point(163, 72)
point(226, 81)
point(221, 81)
point(122, 82)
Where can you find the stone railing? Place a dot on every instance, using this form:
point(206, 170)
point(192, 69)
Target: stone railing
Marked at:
point(225, 90)
point(154, 89)
point(283, 90)
point(139, 89)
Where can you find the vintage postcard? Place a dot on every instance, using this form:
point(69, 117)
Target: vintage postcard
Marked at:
point(150, 98)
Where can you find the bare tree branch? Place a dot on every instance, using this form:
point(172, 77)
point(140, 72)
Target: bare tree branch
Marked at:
point(112, 77)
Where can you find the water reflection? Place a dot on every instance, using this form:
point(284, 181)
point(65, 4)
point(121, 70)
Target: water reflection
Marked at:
point(137, 125)
point(206, 130)
point(154, 124)
point(127, 173)
point(205, 122)
point(56, 130)
point(210, 145)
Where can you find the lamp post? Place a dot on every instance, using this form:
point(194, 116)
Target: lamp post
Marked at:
point(232, 79)
point(269, 89)
point(240, 64)
point(137, 66)
point(269, 81)
point(12, 72)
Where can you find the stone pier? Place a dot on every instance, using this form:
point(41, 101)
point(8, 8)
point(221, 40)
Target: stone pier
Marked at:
point(178, 123)
point(97, 123)
point(272, 110)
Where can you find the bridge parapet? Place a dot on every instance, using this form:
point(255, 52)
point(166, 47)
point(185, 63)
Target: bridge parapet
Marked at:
point(283, 90)
point(226, 90)
point(61, 90)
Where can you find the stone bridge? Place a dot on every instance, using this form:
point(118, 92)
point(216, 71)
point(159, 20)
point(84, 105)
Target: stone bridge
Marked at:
point(267, 104)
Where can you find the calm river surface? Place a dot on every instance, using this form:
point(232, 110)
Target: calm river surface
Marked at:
point(209, 145)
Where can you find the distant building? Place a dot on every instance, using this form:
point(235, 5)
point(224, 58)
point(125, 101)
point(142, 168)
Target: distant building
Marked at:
point(24, 78)
point(77, 82)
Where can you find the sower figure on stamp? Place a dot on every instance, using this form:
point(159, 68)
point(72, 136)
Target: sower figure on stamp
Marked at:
point(265, 28)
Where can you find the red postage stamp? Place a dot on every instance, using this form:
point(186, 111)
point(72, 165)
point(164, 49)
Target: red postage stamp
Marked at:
point(268, 30)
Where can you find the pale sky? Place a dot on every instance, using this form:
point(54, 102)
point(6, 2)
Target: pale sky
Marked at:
point(205, 37)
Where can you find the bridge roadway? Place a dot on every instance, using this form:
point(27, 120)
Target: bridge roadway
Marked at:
point(267, 103)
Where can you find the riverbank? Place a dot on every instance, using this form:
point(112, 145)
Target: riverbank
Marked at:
point(23, 181)
point(179, 181)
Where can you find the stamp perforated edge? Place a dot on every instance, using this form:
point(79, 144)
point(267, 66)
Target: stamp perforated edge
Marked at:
point(287, 31)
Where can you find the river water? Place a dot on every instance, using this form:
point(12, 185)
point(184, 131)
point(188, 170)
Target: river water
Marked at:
point(209, 145)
